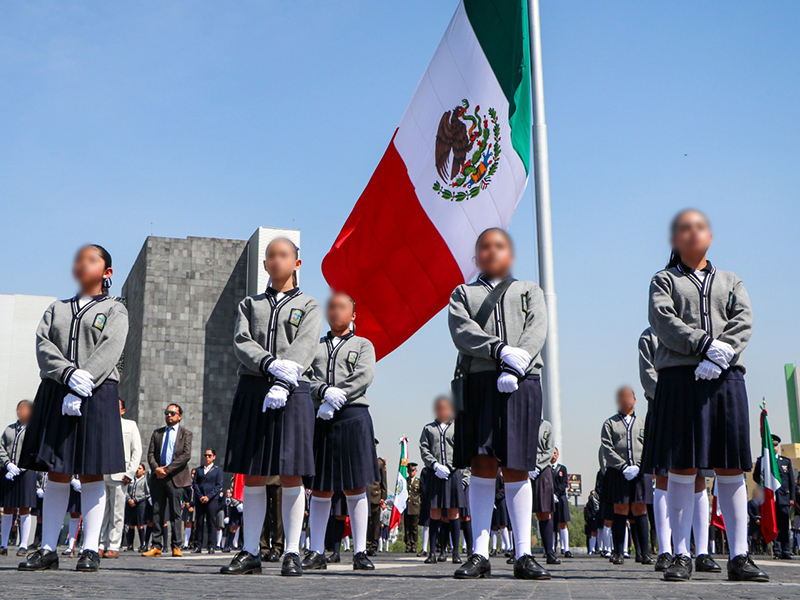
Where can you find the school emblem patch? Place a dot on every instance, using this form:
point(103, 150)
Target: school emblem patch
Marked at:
point(296, 316)
point(641, 435)
point(525, 301)
point(352, 357)
point(99, 322)
point(467, 152)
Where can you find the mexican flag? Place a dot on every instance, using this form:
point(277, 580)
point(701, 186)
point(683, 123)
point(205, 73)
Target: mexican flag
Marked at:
point(770, 481)
point(457, 164)
point(400, 487)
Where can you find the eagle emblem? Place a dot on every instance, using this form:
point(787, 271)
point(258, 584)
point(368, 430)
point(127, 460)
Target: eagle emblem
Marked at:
point(467, 152)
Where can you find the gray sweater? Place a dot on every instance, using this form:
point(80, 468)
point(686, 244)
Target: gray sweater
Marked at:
point(620, 443)
point(687, 315)
point(11, 444)
point(90, 338)
point(348, 365)
point(648, 342)
point(436, 445)
point(138, 490)
point(519, 320)
point(268, 329)
point(547, 445)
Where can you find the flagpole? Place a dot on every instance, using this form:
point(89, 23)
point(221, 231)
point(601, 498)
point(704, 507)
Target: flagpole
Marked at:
point(551, 382)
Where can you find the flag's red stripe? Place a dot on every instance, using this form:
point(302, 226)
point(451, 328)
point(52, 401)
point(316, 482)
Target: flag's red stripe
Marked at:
point(769, 524)
point(394, 521)
point(391, 259)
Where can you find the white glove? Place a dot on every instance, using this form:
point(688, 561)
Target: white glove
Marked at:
point(630, 472)
point(71, 405)
point(441, 471)
point(555, 498)
point(721, 353)
point(76, 485)
point(325, 411)
point(13, 469)
point(39, 493)
point(534, 474)
point(335, 397)
point(82, 383)
point(240, 507)
point(516, 358)
point(10, 476)
point(507, 383)
point(288, 370)
point(707, 370)
point(275, 398)
point(225, 521)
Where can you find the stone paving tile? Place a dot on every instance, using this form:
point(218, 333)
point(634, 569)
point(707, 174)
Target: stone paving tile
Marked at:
point(398, 576)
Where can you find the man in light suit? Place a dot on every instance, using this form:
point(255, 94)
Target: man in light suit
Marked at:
point(168, 456)
point(116, 485)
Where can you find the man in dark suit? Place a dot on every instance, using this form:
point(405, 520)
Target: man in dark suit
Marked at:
point(168, 456)
point(207, 486)
point(784, 499)
point(377, 502)
point(413, 505)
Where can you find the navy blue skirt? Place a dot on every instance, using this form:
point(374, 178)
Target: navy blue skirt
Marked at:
point(338, 504)
point(464, 511)
point(445, 493)
point(543, 492)
point(698, 424)
point(618, 490)
point(19, 493)
point(87, 445)
point(504, 426)
point(74, 503)
point(275, 442)
point(500, 515)
point(344, 451)
point(561, 512)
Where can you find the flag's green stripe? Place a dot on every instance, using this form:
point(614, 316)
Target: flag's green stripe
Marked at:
point(501, 27)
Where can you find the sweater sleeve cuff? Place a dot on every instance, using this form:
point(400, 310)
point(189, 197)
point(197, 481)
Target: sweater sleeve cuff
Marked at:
point(268, 360)
point(509, 369)
point(705, 344)
point(497, 348)
point(65, 376)
point(321, 392)
point(284, 384)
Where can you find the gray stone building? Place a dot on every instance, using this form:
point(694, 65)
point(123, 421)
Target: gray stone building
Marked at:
point(182, 296)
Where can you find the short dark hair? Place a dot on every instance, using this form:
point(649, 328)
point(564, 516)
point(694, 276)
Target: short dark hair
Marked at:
point(214, 452)
point(499, 230)
point(178, 406)
point(28, 403)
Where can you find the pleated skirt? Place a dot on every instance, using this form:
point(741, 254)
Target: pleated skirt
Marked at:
point(274, 442)
point(504, 426)
point(74, 503)
point(698, 424)
point(561, 511)
point(543, 492)
point(500, 517)
point(344, 451)
point(338, 504)
point(20, 492)
point(87, 445)
point(619, 490)
point(446, 493)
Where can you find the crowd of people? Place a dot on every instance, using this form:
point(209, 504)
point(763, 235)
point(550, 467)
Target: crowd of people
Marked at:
point(301, 438)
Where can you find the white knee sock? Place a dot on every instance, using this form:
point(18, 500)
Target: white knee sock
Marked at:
point(187, 533)
point(495, 536)
point(8, 521)
point(426, 532)
point(732, 498)
point(293, 504)
point(93, 506)
point(318, 515)
point(565, 539)
point(72, 532)
point(700, 522)
point(505, 540)
point(625, 543)
point(663, 530)
point(712, 547)
point(54, 505)
point(358, 508)
point(236, 538)
point(481, 503)
point(25, 522)
point(680, 500)
point(254, 499)
point(592, 543)
point(606, 538)
point(380, 544)
point(519, 498)
point(219, 538)
point(346, 542)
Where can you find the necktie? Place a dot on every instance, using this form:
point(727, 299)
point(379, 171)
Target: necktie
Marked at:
point(164, 446)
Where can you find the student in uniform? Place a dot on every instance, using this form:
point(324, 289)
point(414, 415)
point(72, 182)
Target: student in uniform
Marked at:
point(344, 439)
point(590, 512)
point(75, 427)
point(543, 496)
point(703, 320)
point(499, 326)
point(138, 497)
point(17, 486)
point(206, 489)
point(271, 428)
point(621, 441)
point(445, 483)
point(561, 516)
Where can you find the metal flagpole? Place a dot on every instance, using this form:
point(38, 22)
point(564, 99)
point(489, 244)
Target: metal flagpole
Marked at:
point(551, 383)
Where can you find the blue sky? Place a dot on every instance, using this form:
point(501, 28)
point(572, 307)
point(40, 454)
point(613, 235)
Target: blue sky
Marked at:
point(209, 119)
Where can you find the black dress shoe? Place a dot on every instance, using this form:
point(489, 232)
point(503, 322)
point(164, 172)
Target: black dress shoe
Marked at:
point(67, 552)
point(3, 551)
point(24, 551)
point(456, 559)
point(646, 559)
point(197, 550)
point(431, 560)
point(274, 556)
point(334, 557)
point(41, 560)
point(421, 554)
point(552, 559)
point(568, 554)
point(617, 559)
point(510, 561)
point(291, 565)
point(362, 563)
point(476, 567)
point(88, 562)
point(212, 550)
point(226, 549)
point(638, 558)
point(372, 553)
point(243, 563)
point(663, 561)
point(786, 556)
point(680, 569)
point(526, 567)
point(705, 564)
point(314, 561)
point(742, 568)
point(442, 557)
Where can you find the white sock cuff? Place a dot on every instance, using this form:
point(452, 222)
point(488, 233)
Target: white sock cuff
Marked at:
point(517, 485)
point(321, 500)
point(682, 479)
point(731, 478)
point(290, 491)
point(254, 490)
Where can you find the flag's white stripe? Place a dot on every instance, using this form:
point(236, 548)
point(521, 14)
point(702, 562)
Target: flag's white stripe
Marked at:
point(769, 479)
point(459, 70)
